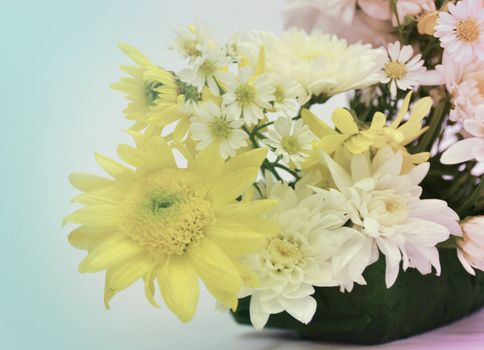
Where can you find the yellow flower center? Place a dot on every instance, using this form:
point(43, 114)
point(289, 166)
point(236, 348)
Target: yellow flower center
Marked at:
point(207, 68)
point(245, 94)
point(468, 30)
point(279, 94)
point(284, 252)
point(388, 208)
point(190, 48)
point(167, 212)
point(290, 144)
point(220, 129)
point(395, 70)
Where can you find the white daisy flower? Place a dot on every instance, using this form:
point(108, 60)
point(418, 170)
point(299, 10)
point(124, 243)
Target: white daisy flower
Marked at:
point(211, 125)
point(290, 140)
point(247, 95)
point(402, 70)
point(207, 70)
point(191, 42)
point(288, 95)
point(388, 212)
point(295, 260)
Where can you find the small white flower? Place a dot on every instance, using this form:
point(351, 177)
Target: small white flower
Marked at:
point(247, 95)
point(390, 215)
point(191, 42)
point(402, 70)
point(287, 95)
point(291, 140)
point(295, 260)
point(471, 246)
point(207, 70)
point(211, 125)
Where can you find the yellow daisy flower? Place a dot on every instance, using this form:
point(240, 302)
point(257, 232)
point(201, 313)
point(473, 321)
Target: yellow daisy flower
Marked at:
point(157, 221)
point(156, 97)
point(348, 139)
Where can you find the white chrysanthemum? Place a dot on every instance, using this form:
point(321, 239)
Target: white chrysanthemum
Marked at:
point(290, 140)
point(191, 42)
point(207, 70)
point(388, 211)
point(402, 70)
point(471, 247)
point(295, 260)
point(247, 95)
point(211, 125)
point(321, 63)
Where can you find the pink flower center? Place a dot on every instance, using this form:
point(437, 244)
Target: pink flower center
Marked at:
point(468, 30)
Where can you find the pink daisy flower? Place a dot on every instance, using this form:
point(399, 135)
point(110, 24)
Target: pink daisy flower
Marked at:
point(471, 247)
point(461, 31)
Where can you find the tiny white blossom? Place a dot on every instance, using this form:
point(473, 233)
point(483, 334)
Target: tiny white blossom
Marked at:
point(211, 125)
point(291, 140)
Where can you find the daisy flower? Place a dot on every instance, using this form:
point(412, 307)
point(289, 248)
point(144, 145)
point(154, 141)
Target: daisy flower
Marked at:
point(211, 126)
point(402, 70)
point(471, 246)
point(461, 30)
point(290, 140)
point(286, 96)
point(388, 212)
point(192, 42)
point(156, 221)
point(294, 260)
point(247, 95)
point(207, 70)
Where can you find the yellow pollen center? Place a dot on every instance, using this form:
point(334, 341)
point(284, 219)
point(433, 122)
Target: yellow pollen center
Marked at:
point(395, 70)
point(290, 144)
point(468, 30)
point(284, 253)
point(279, 94)
point(245, 94)
point(167, 212)
point(207, 68)
point(220, 129)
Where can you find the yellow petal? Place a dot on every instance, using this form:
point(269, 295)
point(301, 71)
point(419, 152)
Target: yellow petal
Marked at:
point(420, 110)
point(248, 210)
point(178, 284)
point(150, 286)
point(330, 143)
point(108, 253)
point(402, 112)
point(251, 159)
point(209, 164)
point(95, 215)
point(181, 129)
point(130, 271)
point(214, 267)
point(88, 182)
point(344, 121)
point(112, 167)
point(317, 126)
point(86, 237)
point(379, 121)
point(109, 293)
point(261, 64)
point(264, 227)
point(237, 242)
point(232, 185)
point(134, 54)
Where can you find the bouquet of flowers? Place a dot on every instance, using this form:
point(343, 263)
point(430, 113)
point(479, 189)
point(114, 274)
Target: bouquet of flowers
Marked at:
point(363, 226)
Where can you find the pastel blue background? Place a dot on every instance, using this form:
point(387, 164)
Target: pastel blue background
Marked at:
point(57, 60)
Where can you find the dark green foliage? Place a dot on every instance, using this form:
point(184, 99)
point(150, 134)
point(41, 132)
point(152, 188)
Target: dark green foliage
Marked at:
point(374, 314)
